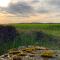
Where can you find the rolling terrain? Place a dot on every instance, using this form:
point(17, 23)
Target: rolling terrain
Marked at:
point(16, 35)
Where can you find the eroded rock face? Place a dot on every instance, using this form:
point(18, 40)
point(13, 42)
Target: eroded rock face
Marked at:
point(34, 54)
point(17, 58)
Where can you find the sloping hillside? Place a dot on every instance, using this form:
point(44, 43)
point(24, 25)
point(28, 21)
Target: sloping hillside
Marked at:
point(15, 35)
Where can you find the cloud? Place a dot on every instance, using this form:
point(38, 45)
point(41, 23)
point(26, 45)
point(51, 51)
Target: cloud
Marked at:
point(54, 5)
point(22, 9)
point(35, 1)
point(46, 6)
point(42, 10)
point(55, 2)
point(28, 8)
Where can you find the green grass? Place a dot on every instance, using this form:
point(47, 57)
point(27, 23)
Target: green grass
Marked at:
point(38, 26)
point(27, 36)
point(53, 29)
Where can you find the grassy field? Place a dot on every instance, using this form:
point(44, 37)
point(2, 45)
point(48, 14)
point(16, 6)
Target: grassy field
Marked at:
point(53, 29)
point(47, 35)
point(49, 31)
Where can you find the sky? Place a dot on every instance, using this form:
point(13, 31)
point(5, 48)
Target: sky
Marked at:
point(29, 11)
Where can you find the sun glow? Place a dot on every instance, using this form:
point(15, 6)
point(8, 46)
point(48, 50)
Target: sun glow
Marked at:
point(4, 3)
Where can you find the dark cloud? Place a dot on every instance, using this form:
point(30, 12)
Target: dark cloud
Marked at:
point(26, 9)
point(23, 9)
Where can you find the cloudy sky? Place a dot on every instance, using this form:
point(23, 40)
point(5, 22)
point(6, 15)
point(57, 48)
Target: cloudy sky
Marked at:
point(29, 11)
